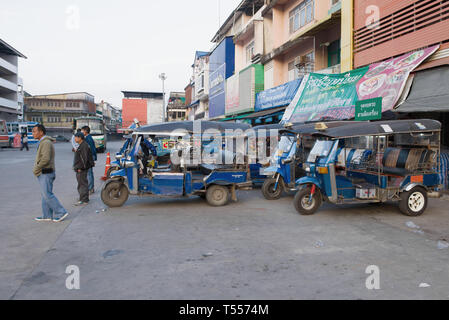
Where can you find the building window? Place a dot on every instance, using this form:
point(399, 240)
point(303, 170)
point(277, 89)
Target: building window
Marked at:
point(301, 65)
point(250, 52)
point(301, 15)
point(333, 54)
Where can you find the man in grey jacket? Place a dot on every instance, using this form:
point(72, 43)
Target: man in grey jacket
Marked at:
point(44, 170)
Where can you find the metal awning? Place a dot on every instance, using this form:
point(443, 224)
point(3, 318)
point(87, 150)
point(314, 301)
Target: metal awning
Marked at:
point(265, 113)
point(429, 92)
point(9, 110)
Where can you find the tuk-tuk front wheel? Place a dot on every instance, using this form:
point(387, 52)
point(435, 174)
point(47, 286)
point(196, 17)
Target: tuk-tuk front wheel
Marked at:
point(111, 170)
point(306, 204)
point(114, 194)
point(217, 195)
point(269, 191)
point(414, 202)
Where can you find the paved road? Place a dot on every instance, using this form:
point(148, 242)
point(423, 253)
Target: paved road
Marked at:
point(185, 249)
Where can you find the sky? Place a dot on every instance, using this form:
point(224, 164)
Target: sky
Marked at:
point(105, 46)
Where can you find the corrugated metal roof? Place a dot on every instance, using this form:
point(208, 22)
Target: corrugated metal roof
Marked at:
point(142, 95)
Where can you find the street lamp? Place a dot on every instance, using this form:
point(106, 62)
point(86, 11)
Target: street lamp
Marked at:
point(163, 77)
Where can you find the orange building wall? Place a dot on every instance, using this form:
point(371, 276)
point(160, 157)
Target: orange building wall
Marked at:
point(437, 31)
point(132, 109)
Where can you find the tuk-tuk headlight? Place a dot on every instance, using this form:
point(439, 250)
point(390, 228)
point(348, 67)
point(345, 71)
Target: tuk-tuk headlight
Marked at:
point(306, 168)
point(118, 156)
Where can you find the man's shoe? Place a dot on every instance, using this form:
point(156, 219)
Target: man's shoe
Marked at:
point(42, 219)
point(91, 191)
point(80, 203)
point(59, 219)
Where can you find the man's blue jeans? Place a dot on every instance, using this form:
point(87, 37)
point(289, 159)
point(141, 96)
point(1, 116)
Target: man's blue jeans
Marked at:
point(90, 178)
point(51, 207)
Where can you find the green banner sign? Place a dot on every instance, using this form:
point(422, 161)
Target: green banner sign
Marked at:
point(369, 109)
point(328, 96)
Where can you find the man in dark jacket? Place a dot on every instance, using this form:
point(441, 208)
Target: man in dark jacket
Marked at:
point(82, 163)
point(90, 173)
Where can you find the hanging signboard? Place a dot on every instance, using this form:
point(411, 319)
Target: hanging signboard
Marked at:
point(370, 109)
point(277, 96)
point(333, 96)
point(217, 92)
point(232, 94)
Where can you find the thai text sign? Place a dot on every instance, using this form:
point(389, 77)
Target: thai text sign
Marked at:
point(333, 96)
point(370, 109)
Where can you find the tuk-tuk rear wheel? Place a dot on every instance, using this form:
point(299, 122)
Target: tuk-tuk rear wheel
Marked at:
point(217, 195)
point(303, 204)
point(414, 202)
point(268, 189)
point(114, 194)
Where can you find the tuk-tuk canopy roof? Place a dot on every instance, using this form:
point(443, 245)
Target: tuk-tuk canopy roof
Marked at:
point(355, 129)
point(265, 128)
point(167, 128)
point(311, 128)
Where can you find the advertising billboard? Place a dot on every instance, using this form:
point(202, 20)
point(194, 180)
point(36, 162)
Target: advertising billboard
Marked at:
point(334, 96)
point(232, 94)
point(217, 95)
point(251, 82)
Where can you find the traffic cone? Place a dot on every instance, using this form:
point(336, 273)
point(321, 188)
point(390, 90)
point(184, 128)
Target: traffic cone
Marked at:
point(108, 165)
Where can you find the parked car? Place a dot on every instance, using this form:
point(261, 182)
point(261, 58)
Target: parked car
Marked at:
point(61, 138)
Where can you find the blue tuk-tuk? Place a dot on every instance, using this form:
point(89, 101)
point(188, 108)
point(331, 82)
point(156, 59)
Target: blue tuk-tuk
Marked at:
point(373, 162)
point(286, 163)
point(261, 141)
point(215, 182)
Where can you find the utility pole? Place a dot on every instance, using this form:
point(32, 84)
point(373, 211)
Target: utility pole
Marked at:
point(163, 77)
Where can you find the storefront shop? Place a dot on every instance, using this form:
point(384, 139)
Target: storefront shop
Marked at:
point(429, 98)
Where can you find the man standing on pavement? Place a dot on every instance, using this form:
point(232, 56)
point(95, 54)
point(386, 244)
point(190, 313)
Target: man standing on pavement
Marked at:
point(93, 149)
point(74, 144)
point(24, 142)
point(81, 164)
point(44, 170)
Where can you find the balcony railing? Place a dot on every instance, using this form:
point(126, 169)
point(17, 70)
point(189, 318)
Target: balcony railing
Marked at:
point(333, 69)
point(5, 65)
point(8, 103)
point(8, 85)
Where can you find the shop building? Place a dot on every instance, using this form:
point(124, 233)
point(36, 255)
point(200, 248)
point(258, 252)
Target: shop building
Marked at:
point(147, 107)
point(57, 111)
point(406, 26)
point(188, 90)
point(222, 66)
point(301, 36)
point(200, 105)
point(176, 107)
point(110, 115)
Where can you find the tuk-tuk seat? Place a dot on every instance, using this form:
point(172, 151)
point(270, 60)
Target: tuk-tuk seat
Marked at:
point(347, 156)
point(403, 161)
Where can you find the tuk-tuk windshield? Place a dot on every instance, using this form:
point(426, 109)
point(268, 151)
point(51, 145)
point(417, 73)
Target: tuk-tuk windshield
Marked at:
point(286, 143)
point(320, 149)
